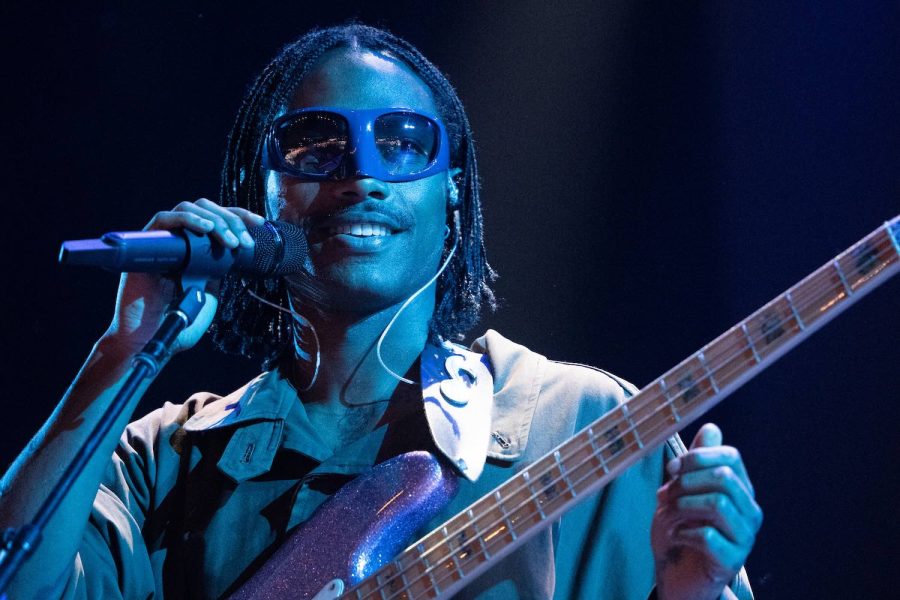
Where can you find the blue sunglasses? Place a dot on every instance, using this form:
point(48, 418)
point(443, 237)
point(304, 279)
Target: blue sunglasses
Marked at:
point(324, 143)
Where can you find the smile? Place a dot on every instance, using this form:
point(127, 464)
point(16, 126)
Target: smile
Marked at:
point(360, 230)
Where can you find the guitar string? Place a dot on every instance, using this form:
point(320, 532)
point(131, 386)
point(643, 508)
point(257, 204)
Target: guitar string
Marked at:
point(821, 292)
point(563, 475)
point(829, 288)
point(511, 516)
point(534, 496)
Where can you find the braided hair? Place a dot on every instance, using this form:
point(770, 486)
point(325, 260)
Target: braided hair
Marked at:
point(248, 327)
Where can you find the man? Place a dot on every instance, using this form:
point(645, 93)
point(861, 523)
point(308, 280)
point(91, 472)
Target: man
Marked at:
point(352, 134)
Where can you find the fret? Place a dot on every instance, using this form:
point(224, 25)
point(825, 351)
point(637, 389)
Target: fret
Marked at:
point(730, 356)
point(790, 301)
point(892, 228)
point(669, 402)
point(750, 343)
point(484, 549)
point(465, 554)
point(564, 473)
point(631, 425)
point(398, 568)
point(709, 375)
point(867, 259)
point(650, 412)
point(454, 559)
point(584, 468)
point(840, 273)
point(365, 589)
point(387, 578)
point(690, 385)
point(429, 571)
point(500, 504)
point(413, 572)
point(772, 326)
point(534, 495)
point(524, 511)
point(817, 293)
point(596, 450)
point(615, 442)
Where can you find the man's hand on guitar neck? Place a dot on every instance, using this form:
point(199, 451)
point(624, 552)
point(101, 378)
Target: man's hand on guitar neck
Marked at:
point(706, 520)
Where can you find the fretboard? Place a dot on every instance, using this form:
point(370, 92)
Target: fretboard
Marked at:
point(450, 557)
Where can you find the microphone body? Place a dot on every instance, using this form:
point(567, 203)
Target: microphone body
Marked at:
point(280, 249)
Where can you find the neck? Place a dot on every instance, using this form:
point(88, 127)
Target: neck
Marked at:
point(350, 373)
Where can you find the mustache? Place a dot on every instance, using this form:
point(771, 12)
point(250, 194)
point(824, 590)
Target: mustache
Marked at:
point(396, 217)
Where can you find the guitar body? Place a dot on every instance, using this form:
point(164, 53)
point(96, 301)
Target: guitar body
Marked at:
point(359, 529)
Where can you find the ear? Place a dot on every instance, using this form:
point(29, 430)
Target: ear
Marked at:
point(453, 200)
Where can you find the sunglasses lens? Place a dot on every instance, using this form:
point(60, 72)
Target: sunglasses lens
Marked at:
point(312, 143)
point(406, 142)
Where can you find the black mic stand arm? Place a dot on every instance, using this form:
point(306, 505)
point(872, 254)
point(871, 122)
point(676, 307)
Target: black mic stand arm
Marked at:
point(19, 543)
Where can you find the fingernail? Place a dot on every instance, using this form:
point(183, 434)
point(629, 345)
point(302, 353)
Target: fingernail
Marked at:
point(230, 239)
point(674, 466)
point(246, 239)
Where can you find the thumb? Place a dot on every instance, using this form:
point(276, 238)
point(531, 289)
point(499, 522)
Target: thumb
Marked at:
point(709, 435)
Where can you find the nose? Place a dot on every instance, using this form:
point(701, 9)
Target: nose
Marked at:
point(358, 189)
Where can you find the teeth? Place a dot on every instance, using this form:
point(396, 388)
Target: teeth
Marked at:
point(360, 230)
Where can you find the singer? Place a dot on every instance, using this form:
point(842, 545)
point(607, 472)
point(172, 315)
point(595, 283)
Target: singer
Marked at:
point(354, 136)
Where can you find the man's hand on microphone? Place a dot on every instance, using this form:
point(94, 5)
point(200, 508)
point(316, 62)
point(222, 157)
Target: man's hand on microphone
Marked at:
point(143, 297)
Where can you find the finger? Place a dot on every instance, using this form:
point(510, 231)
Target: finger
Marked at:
point(234, 223)
point(170, 219)
point(720, 479)
point(714, 509)
point(705, 458)
point(251, 219)
point(710, 542)
point(221, 231)
point(708, 435)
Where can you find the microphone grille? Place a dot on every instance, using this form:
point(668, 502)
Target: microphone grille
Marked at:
point(281, 249)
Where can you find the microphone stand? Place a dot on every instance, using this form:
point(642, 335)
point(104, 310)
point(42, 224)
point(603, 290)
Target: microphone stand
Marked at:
point(19, 543)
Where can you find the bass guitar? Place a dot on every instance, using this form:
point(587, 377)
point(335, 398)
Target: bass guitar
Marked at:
point(352, 547)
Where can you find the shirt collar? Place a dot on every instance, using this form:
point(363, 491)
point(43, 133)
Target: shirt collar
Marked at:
point(479, 404)
point(268, 397)
point(518, 375)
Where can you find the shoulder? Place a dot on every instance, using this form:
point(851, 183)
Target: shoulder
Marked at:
point(532, 392)
point(266, 397)
point(168, 419)
point(150, 455)
point(154, 443)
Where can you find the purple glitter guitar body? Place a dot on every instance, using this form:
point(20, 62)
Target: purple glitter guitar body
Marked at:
point(362, 527)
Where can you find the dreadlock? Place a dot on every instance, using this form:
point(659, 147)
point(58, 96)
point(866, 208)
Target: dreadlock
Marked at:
point(248, 327)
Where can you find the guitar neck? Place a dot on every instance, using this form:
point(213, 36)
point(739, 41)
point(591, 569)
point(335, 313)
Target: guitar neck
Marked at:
point(448, 558)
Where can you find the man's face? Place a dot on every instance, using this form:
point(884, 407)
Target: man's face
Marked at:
point(372, 243)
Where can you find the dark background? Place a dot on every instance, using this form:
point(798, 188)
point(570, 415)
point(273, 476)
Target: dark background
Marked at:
point(652, 174)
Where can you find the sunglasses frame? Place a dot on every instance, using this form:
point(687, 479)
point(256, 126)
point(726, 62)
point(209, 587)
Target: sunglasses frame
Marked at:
point(362, 159)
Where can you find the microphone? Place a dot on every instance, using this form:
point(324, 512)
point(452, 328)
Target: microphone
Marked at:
point(280, 249)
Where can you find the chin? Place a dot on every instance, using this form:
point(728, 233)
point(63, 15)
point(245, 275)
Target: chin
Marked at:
point(357, 295)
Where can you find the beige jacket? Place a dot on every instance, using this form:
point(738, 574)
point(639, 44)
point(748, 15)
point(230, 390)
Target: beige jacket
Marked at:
point(198, 494)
